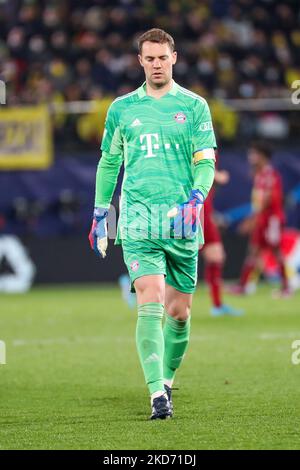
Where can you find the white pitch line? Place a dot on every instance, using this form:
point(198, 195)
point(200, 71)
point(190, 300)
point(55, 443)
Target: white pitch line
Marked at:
point(90, 339)
point(70, 340)
point(65, 340)
point(272, 336)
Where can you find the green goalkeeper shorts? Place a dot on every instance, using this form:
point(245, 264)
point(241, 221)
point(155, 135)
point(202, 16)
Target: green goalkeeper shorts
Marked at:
point(176, 259)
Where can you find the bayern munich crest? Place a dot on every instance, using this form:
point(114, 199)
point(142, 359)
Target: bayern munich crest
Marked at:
point(180, 117)
point(134, 266)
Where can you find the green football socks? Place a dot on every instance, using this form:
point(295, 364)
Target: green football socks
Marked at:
point(160, 350)
point(150, 344)
point(176, 336)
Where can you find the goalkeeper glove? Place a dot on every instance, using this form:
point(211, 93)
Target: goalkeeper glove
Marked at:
point(186, 216)
point(98, 232)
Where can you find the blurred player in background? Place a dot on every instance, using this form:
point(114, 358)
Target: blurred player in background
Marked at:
point(164, 134)
point(268, 217)
point(213, 252)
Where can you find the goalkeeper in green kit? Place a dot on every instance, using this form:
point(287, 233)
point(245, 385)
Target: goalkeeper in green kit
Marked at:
point(163, 133)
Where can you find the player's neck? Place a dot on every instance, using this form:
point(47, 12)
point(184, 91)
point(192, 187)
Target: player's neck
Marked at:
point(158, 92)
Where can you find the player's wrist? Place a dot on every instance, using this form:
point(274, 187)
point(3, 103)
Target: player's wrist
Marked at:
point(100, 213)
point(198, 195)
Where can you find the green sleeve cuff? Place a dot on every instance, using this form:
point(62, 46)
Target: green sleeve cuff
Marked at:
point(204, 174)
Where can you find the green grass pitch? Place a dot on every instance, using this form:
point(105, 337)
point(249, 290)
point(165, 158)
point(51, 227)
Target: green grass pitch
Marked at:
point(73, 381)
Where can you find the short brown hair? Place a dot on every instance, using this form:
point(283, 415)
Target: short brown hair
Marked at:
point(156, 35)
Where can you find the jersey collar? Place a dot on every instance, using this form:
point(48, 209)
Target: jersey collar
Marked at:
point(172, 91)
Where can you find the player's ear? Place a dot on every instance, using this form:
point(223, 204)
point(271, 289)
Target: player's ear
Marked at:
point(140, 60)
point(174, 57)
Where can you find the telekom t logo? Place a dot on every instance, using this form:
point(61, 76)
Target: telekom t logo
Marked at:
point(149, 147)
point(152, 144)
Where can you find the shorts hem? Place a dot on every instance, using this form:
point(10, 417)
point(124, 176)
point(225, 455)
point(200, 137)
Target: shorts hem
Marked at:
point(141, 275)
point(184, 291)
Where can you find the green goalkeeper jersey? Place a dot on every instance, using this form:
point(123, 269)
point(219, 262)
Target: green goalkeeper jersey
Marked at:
point(156, 138)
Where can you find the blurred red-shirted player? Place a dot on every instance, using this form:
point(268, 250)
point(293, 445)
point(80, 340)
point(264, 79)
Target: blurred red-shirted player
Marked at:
point(268, 216)
point(214, 254)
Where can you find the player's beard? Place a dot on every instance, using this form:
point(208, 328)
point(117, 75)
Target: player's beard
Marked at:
point(163, 81)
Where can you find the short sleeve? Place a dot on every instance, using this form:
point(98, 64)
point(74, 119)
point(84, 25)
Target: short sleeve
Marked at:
point(112, 138)
point(203, 132)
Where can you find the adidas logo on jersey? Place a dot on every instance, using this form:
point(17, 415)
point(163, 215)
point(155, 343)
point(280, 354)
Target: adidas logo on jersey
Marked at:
point(136, 122)
point(152, 358)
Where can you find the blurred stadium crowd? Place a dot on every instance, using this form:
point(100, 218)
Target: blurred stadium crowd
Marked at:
point(60, 52)
point(76, 50)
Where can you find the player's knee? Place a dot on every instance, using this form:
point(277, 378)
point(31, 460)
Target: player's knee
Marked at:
point(149, 294)
point(179, 311)
point(219, 256)
point(214, 253)
point(149, 290)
